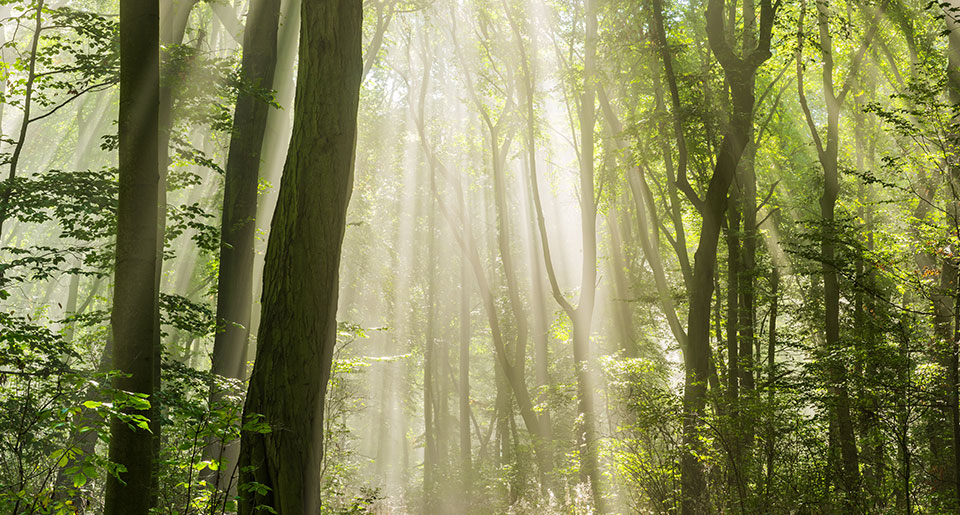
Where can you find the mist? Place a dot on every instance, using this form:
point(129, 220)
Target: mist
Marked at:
point(470, 257)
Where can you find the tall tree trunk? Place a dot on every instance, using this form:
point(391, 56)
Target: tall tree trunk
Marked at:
point(173, 24)
point(431, 451)
point(846, 437)
point(298, 328)
point(697, 355)
point(748, 309)
point(771, 437)
point(134, 317)
point(582, 316)
point(622, 313)
point(541, 341)
point(828, 151)
point(276, 141)
point(538, 302)
point(238, 225)
point(739, 72)
point(733, 348)
point(235, 281)
point(466, 455)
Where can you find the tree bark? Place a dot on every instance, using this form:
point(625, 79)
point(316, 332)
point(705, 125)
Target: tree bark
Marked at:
point(235, 281)
point(298, 328)
point(466, 455)
point(431, 416)
point(134, 317)
point(238, 225)
point(772, 375)
point(739, 72)
point(828, 152)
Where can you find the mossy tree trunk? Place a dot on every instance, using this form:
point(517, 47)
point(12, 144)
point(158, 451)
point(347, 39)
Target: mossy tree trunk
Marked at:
point(298, 328)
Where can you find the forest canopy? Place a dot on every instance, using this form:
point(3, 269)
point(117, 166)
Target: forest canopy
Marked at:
point(473, 256)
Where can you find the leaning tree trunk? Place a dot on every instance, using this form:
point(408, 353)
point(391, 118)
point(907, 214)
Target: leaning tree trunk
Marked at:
point(134, 296)
point(301, 273)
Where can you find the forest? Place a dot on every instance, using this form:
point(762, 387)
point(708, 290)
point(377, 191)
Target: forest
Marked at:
point(453, 257)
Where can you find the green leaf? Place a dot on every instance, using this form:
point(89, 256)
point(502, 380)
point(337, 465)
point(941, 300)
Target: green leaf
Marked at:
point(60, 455)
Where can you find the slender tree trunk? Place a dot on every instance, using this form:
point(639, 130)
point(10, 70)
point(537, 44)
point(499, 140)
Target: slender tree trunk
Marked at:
point(674, 174)
point(538, 302)
point(71, 307)
point(276, 141)
point(298, 328)
point(582, 316)
point(7, 189)
point(238, 224)
point(748, 309)
point(903, 427)
point(134, 316)
point(172, 26)
point(504, 451)
point(465, 239)
point(431, 458)
point(697, 355)
point(622, 313)
point(739, 72)
point(235, 281)
point(771, 438)
point(541, 343)
point(79, 152)
point(733, 348)
point(466, 455)
point(844, 439)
